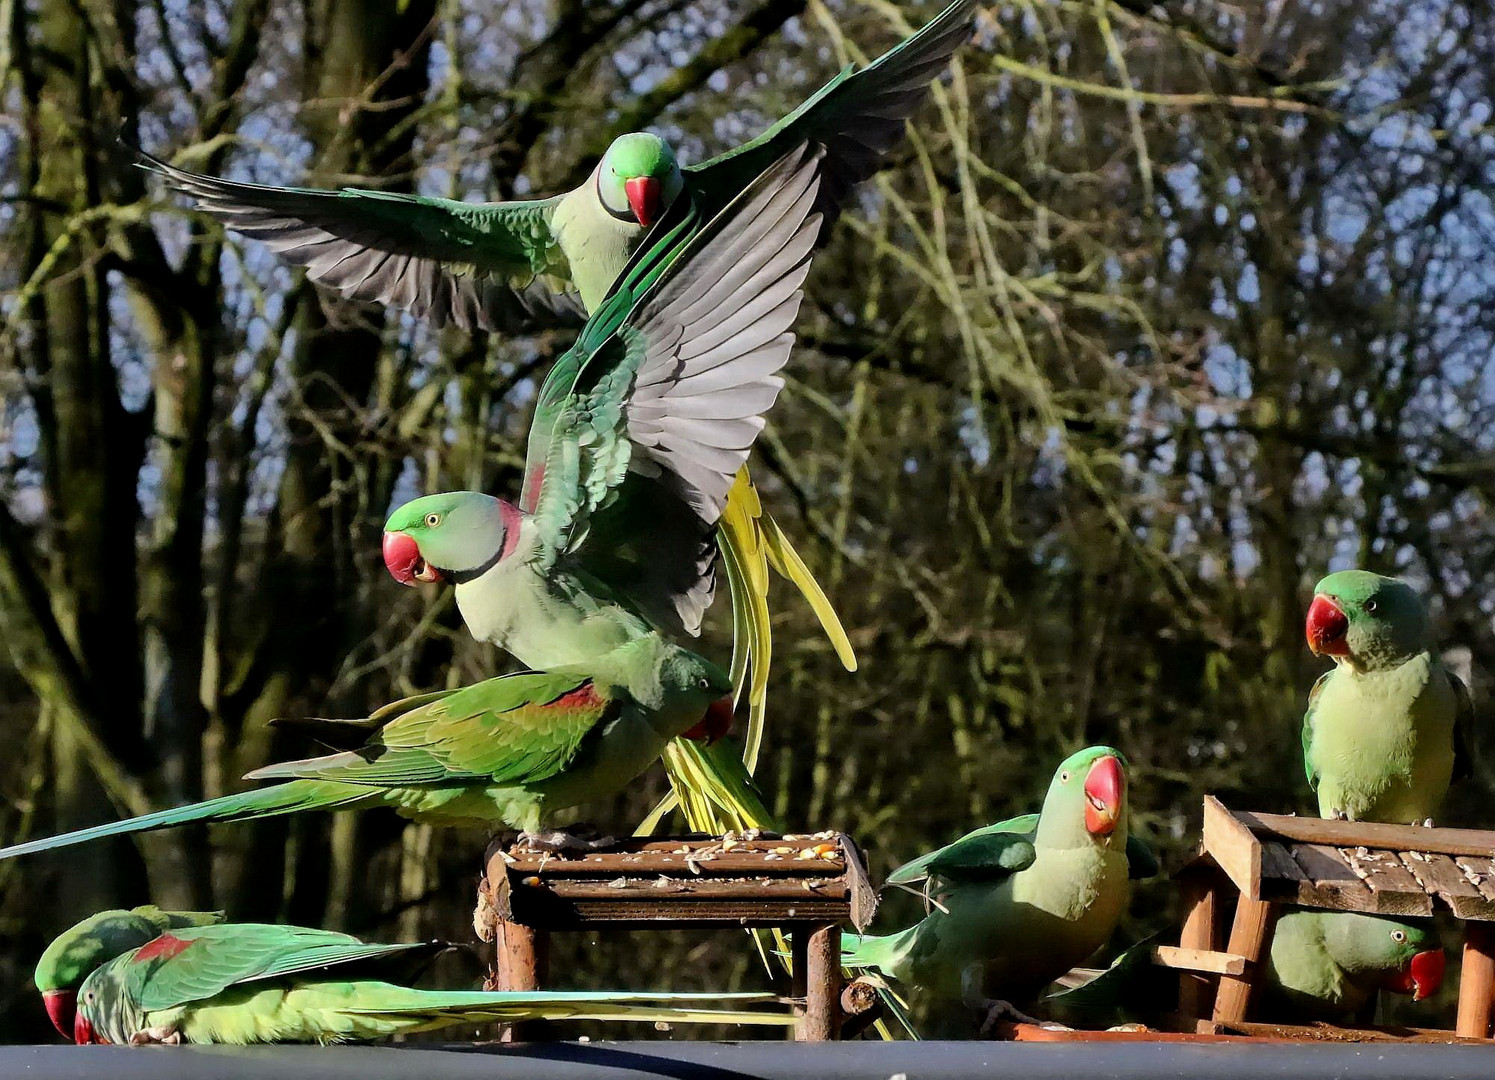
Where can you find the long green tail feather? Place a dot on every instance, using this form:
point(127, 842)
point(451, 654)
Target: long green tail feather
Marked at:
point(446, 1006)
point(288, 798)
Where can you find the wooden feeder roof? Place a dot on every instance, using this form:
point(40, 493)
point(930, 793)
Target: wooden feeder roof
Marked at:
point(765, 881)
point(1353, 866)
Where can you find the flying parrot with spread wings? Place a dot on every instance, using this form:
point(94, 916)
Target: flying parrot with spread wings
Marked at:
point(510, 266)
point(152, 976)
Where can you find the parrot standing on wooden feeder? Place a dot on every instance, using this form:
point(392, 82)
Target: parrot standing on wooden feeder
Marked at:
point(152, 976)
point(1387, 729)
point(540, 263)
point(1017, 904)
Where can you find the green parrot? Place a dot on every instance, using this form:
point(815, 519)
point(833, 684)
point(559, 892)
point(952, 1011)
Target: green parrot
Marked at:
point(1328, 965)
point(1322, 965)
point(509, 750)
point(639, 433)
point(508, 265)
point(1017, 904)
point(149, 976)
point(1386, 729)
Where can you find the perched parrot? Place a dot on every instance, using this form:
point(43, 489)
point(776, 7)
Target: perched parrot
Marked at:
point(1017, 904)
point(508, 750)
point(1328, 965)
point(1386, 729)
point(639, 432)
point(149, 976)
point(1323, 965)
point(507, 265)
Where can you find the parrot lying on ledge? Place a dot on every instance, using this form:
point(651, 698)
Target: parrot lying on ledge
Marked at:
point(153, 976)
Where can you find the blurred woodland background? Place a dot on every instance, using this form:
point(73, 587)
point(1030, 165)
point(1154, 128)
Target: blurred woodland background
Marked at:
point(1164, 310)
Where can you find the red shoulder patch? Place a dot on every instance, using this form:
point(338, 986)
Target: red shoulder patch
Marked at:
point(162, 948)
point(584, 696)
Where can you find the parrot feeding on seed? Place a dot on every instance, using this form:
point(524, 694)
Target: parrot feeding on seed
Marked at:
point(1328, 965)
point(151, 976)
point(1387, 728)
point(509, 750)
point(1015, 905)
point(519, 265)
point(1322, 966)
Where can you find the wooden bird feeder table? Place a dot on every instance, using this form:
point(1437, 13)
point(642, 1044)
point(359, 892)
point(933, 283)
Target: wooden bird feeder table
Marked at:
point(808, 885)
point(1270, 860)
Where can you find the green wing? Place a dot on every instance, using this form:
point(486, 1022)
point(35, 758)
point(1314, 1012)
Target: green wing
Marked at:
point(992, 850)
point(496, 266)
point(193, 964)
point(1141, 861)
point(1313, 696)
point(1463, 730)
point(858, 117)
point(516, 729)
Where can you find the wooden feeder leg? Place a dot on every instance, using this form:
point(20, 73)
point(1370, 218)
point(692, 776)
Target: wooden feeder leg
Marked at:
point(1477, 981)
point(521, 959)
point(1248, 938)
point(822, 984)
point(1201, 898)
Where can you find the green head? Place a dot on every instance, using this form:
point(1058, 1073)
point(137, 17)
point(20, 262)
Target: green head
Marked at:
point(638, 178)
point(454, 536)
point(1394, 954)
point(1370, 621)
point(1086, 801)
point(701, 690)
point(78, 952)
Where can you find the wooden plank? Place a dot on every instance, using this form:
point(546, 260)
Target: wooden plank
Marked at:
point(1200, 884)
point(1329, 881)
point(1277, 862)
point(521, 962)
point(1217, 963)
point(1369, 834)
point(782, 895)
point(822, 960)
point(1477, 981)
point(863, 896)
point(1250, 937)
point(1396, 891)
point(1480, 873)
point(1231, 845)
point(1440, 876)
point(731, 864)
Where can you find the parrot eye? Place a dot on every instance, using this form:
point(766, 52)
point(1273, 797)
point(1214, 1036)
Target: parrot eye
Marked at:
point(1370, 607)
point(433, 520)
point(703, 683)
point(1064, 777)
point(1398, 936)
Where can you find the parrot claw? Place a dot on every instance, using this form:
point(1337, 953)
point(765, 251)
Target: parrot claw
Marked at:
point(1427, 823)
point(163, 1035)
point(560, 842)
point(998, 1010)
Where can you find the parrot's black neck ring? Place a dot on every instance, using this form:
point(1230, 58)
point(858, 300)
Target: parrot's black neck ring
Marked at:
point(462, 577)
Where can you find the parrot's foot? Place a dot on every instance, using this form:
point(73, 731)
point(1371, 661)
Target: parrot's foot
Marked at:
point(1426, 823)
point(163, 1035)
point(998, 1010)
point(560, 842)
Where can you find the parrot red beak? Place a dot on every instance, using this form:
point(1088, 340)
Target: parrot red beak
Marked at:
point(61, 1007)
point(1103, 787)
point(645, 196)
point(1422, 976)
point(1327, 626)
point(403, 560)
point(83, 1031)
point(716, 723)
